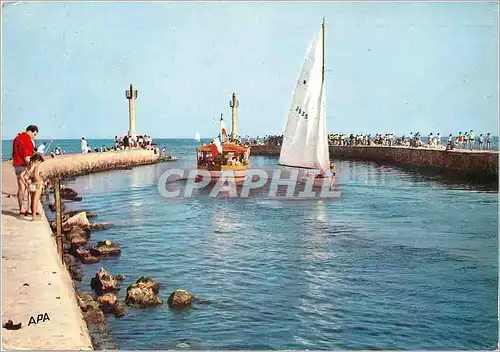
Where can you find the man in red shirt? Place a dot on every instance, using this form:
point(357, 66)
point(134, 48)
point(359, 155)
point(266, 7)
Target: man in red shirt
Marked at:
point(23, 148)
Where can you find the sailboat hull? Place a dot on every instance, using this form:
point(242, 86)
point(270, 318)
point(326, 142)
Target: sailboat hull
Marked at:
point(319, 182)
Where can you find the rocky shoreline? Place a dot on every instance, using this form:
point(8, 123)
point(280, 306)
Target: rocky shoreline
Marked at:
point(102, 300)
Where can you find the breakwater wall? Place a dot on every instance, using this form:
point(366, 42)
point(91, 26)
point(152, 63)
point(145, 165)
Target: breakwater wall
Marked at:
point(81, 164)
point(465, 162)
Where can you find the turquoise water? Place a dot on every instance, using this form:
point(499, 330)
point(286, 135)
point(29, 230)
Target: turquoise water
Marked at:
point(403, 261)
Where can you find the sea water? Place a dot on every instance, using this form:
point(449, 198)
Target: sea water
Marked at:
point(402, 261)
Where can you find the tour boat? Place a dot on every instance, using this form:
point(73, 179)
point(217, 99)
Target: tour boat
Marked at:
point(228, 155)
point(305, 139)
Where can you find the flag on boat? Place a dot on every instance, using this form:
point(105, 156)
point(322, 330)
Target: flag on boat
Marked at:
point(223, 126)
point(197, 137)
point(216, 147)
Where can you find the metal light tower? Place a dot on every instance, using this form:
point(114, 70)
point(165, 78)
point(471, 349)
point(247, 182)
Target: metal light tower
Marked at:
point(131, 95)
point(234, 103)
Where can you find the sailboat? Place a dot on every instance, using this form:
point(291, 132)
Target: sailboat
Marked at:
point(305, 140)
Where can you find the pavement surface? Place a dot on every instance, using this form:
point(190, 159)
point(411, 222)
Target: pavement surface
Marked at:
point(35, 284)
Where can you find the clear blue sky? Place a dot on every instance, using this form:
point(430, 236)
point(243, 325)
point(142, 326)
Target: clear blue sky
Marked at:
point(394, 67)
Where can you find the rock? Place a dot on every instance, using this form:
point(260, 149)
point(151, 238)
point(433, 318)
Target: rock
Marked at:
point(79, 219)
point(85, 256)
point(76, 273)
point(94, 315)
point(108, 298)
point(69, 260)
point(78, 241)
point(67, 192)
point(149, 282)
point(120, 310)
point(103, 282)
point(104, 248)
point(120, 277)
point(90, 214)
point(90, 260)
point(99, 226)
point(107, 302)
point(74, 199)
point(142, 293)
point(85, 301)
point(76, 231)
point(180, 299)
point(66, 246)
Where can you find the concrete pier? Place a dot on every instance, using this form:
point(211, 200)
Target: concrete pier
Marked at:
point(470, 163)
point(34, 282)
point(81, 164)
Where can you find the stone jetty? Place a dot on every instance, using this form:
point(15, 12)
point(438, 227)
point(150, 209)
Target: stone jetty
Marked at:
point(72, 165)
point(475, 163)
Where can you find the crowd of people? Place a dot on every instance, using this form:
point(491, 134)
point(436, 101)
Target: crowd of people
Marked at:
point(126, 142)
point(461, 141)
point(467, 140)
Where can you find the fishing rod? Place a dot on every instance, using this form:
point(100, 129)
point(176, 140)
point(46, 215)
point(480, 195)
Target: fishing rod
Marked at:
point(57, 130)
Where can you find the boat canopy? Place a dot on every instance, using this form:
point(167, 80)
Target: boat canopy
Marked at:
point(226, 148)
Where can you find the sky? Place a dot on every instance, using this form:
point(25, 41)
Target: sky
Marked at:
point(392, 67)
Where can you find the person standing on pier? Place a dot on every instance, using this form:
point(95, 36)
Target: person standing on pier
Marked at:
point(488, 141)
point(84, 146)
point(460, 139)
point(471, 139)
point(23, 148)
point(33, 182)
point(481, 141)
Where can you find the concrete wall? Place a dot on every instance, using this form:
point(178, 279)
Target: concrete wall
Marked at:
point(81, 164)
point(463, 161)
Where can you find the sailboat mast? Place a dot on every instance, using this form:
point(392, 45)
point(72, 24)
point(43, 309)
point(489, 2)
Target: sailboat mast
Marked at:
point(323, 39)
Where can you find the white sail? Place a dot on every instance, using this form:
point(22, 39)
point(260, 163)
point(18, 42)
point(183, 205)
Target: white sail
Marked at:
point(197, 137)
point(305, 143)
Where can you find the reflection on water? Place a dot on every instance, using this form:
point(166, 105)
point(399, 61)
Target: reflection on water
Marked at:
point(403, 261)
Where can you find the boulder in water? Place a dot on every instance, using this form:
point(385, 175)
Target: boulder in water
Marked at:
point(99, 226)
point(90, 214)
point(180, 299)
point(108, 298)
point(76, 231)
point(68, 192)
point(78, 241)
point(75, 272)
point(85, 301)
point(107, 302)
point(150, 283)
point(104, 248)
point(79, 219)
point(103, 282)
point(120, 310)
point(142, 293)
point(84, 255)
point(94, 315)
point(120, 277)
point(69, 260)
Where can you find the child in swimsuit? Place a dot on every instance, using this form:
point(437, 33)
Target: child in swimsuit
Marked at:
point(33, 182)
